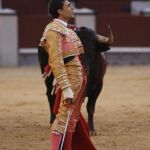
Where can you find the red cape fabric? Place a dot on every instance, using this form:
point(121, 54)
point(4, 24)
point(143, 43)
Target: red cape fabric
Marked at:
point(81, 137)
point(57, 101)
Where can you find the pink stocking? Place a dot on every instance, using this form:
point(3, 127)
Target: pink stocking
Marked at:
point(55, 141)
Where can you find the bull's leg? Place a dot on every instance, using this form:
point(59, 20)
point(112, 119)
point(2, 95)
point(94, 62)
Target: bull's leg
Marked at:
point(51, 100)
point(92, 97)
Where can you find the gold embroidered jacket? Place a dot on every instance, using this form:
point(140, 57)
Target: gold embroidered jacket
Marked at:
point(61, 42)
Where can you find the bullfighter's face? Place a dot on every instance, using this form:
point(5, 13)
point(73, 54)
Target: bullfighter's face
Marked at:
point(67, 11)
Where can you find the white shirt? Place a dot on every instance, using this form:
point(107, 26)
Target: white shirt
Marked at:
point(62, 22)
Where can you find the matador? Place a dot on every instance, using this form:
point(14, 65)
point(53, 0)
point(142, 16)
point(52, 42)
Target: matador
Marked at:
point(69, 130)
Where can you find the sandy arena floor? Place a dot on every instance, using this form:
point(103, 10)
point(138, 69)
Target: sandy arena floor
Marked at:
point(122, 115)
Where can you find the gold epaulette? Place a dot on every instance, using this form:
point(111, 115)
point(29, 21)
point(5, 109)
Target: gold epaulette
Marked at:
point(54, 26)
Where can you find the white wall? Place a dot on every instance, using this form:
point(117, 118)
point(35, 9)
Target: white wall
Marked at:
point(8, 39)
point(138, 6)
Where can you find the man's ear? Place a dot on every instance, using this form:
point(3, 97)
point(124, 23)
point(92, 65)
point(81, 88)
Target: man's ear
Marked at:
point(59, 11)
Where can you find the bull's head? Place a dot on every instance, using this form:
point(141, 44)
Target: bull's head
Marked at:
point(93, 42)
point(107, 40)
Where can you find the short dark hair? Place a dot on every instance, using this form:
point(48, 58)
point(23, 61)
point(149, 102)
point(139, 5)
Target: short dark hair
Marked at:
point(53, 7)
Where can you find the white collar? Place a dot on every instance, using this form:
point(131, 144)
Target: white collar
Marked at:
point(62, 22)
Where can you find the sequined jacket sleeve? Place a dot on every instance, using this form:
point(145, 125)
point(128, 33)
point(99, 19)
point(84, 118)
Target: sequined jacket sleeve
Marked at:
point(54, 49)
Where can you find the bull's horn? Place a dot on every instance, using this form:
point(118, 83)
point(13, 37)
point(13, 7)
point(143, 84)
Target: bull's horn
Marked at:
point(108, 40)
point(111, 36)
point(102, 39)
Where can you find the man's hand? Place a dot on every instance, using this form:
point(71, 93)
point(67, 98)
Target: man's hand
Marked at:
point(68, 95)
point(69, 101)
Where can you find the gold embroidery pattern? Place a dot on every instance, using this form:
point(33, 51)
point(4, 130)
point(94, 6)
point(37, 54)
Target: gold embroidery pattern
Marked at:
point(67, 75)
point(56, 59)
point(74, 72)
point(54, 26)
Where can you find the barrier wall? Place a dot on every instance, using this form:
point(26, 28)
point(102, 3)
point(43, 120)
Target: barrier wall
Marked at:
point(128, 30)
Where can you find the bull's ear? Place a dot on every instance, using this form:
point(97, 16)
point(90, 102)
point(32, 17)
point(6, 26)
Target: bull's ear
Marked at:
point(111, 36)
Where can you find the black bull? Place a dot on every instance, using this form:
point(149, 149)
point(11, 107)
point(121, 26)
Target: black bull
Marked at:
point(95, 64)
